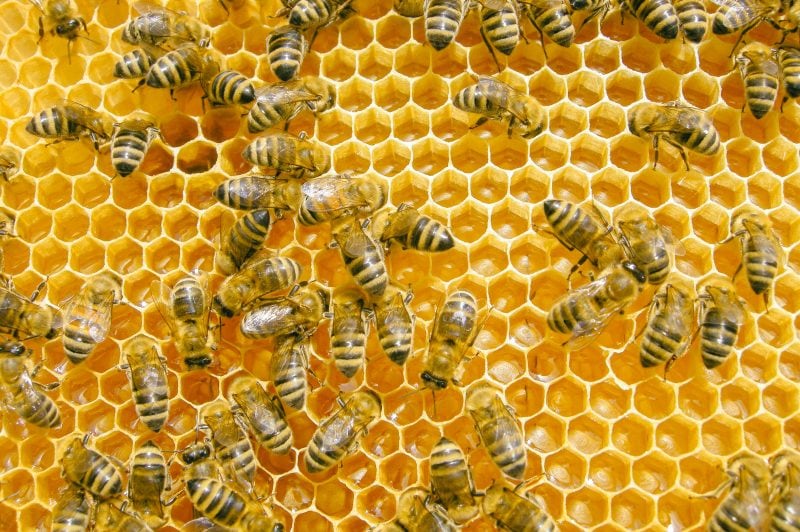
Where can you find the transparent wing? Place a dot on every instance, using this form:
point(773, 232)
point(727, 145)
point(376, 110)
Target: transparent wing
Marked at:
point(332, 193)
point(587, 330)
point(281, 95)
point(38, 4)
point(160, 294)
point(96, 319)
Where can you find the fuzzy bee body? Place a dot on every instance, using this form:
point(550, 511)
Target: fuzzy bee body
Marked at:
point(242, 241)
point(394, 325)
point(134, 64)
point(148, 381)
point(130, 143)
point(297, 156)
point(329, 197)
point(91, 470)
point(259, 277)
point(19, 391)
point(288, 368)
point(148, 479)
point(495, 100)
point(257, 192)
point(286, 50)
point(230, 88)
point(693, 19)
point(363, 258)
point(760, 73)
point(761, 252)
point(454, 331)
point(515, 512)
point(348, 332)
point(668, 331)
point(281, 102)
point(265, 415)
point(87, 317)
point(451, 481)
point(231, 445)
point(71, 513)
point(69, 120)
point(442, 21)
point(722, 315)
point(658, 15)
point(498, 430)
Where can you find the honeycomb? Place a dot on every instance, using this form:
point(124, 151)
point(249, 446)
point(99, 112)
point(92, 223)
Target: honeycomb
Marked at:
point(610, 445)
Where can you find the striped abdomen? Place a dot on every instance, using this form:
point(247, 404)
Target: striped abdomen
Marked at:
point(761, 87)
point(100, 478)
point(133, 64)
point(330, 443)
point(658, 15)
point(450, 481)
point(717, 336)
point(729, 19)
point(501, 28)
point(128, 148)
point(54, 123)
point(216, 501)
point(503, 440)
point(442, 21)
point(790, 71)
point(741, 512)
point(245, 238)
point(71, 513)
point(311, 13)
point(148, 479)
point(693, 19)
point(786, 512)
point(575, 310)
point(660, 342)
point(288, 371)
point(760, 258)
point(33, 406)
point(231, 88)
point(552, 19)
point(150, 395)
point(188, 300)
point(174, 69)
point(238, 455)
point(286, 49)
point(702, 138)
point(427, 235)
point(83, 329)
point(348, 337)
point(571, 225)
point(264, 114)
point(395, 330)
point(368, 269)
point(284, 153)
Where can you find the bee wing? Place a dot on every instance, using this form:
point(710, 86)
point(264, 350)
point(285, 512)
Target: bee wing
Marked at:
point(321, 189)
point(282, 95)
point(38, 4)
point(160, 293)
point(497, 5)
point(202, 524)
point(586, 331)
point(202, 278)
point(95, 318)
point(742, 7)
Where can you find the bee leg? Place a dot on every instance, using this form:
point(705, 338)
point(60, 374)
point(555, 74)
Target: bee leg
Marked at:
point(491, 50)
point(38, 290)
point(785, 99)
point(482, 120)
point(41, 30)
point(655, 150)
point(225, 7)
point(172, 95)
point(141, 82)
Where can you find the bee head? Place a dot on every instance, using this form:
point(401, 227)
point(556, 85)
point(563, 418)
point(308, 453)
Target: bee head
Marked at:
point(433, 382)
point(635, 270)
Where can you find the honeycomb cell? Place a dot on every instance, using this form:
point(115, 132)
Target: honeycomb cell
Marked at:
point(565, 469)
point(762, 434)
point(586, 507)
point(162, 256)
point(372, 126)
point(50, 256)
point(721, 435)
point(107, 223)
point(549, 152)
point(376, 504)
point(91, 190)
point(294, 492)
point(632, 509)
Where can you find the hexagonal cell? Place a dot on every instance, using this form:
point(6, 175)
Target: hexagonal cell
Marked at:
point(742, 156)
point(544, 433)
point(162, 256)
point(710, 223)
point(764, 190)
point(376, 504)
point(762, 434)
point(392, 92)
point(334, 499)
point(587, 507)
point(510, 291)
point(410, 123)
point(690, 190)
point(781, 398)
point(549, 152)
point(624, 87)
point(108, 222)
point(294, 492)
point(125, 256)
point(721, 435)
point(49, 256)
point(566, 397)
point(637, 55)
point(648, 187)
point(696, 260)
point(529, 184)
point(632, 435)
point(145, 223)
point(632, 510)
point(677, 436)
point(393, 31)
point(197, 157)
point(166, 191)
point(700, 90)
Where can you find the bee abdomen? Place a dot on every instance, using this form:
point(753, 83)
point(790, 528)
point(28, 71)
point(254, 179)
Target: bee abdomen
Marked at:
point(369, 272)
point(717, 336)
point(659, 344)
point(395, 339)
point(506, 448)
point(102, 479)
point(285, 52)
point(247, 236)
point(152, 406)
point(761, 90)
point(230, 87)
point(280, 440)
point(128, 150)
point(216, 501)
point(762, 267)
point(52, 123)
point(291, 386)
point(429, 235)
point(172, 71)
point(556, 24)
point(658, 15)
point(729, 19)
point(693, 19)
point(318, 460)
point(41, 411)
point(502, 29)
point(241, 456)
point(307, 14)
point(442, 21)
point(134, 64)
point(790, 68)
point(77, 345)
point(347, 349)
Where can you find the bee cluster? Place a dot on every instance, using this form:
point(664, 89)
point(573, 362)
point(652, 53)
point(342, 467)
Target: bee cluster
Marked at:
point(246, 320)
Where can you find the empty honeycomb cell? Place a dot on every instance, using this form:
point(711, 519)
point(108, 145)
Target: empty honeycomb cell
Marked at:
point(412, 61)
point(10, 455)
point(602, 56)
point(775, 328)
point(675, 219)
point(677, 436)
point(340, 65)
point(37, 453)
point(197, 255)
point(393, 31)
point(565, 469)
point(547, 88)
point(79, 386)
point(125, 256)
point(334, 127)
point(585, 88)
point(145, 223)
point(721, 435)
point(787, 292)
point(609, 400)
point(700, 90)
point(36, 74)
point(690, 190)
point(544, 433)
point(549, 152)
point(588, 153)
point(567, 120)
point(764, 190)
point(661, 85)
point(586, 507)
point(219, 125)
point(69, 72)
point(759, 362)
point(177, 129)
point(637, 55)
point(166, 191)
point(742, 156)
point(96, 417)
point(16, 491)
point(39, 161)
point(588, 434)
point(197, 157)
point(727, 190)
point(678, 57)
point(788, 123)
point(351, 156)
point(567, 397)
point(162, 256)
point(33, 224)
point(624, 87)
point(762, 434)
point(180, 224)
point(432, 156)
point(21, 47)
point(391, 158)
point(654, 398)
point(49, 256)
point(607, 120)
point(710, 223)
point(781, 398)
point(115, 387)
point(91, 190)
point(761, 130)
point(786, 225)
point(740, 399)
point(108, 222)
point(372, 126)
point(649, 186)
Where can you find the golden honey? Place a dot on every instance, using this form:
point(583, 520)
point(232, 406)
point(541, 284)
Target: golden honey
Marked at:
point(613, 445)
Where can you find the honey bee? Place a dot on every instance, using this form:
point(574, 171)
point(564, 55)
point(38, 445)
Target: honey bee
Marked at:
point(242, 241)
point(71, 512)
point(451, 481)
point(257, 192)
point(494, 99)
point(667, 334)
point(348, 332)
point(6, 230)
point(20, 393)
point(21, 316)
point(136, 63)
point(746, 507)
point(9, 162)
point(264, 414)
point(218, 502)
point(495, 423)
point(91, 470)
point(586, 231)
point(789, 60)
point(148, 479)
point(721, 315)
point(178, 68)
point(454, 331)
point(257, 278)
point(297, 156)
point(585, 311)
point(87, 316)
point(316, 14)
point(443, 19)
point(415, 511)
point(744, 15)
point(551, 18)
point(159, 26)
point(515, 512)
point(109, 518)
point(329, 197)
point(298, 313)
point(678, 124)
point(288, 367)
point(68, 120)
point(286, 50)
point(231, 445)
point(785, 471)
point(130, 143)
point(148, 378)
point(338, 435)
point(62, 18)
point(760, 73)
point(409, 8)
point(658, 15)
point(648, 245)
point(413, 230)
point(394, 325)
point(281, 102)
point(595, 8)
point(762, 254)
point(227, 87)
point(186, 310)
point(693, 19)
point(500, 29)
point(362, 257)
